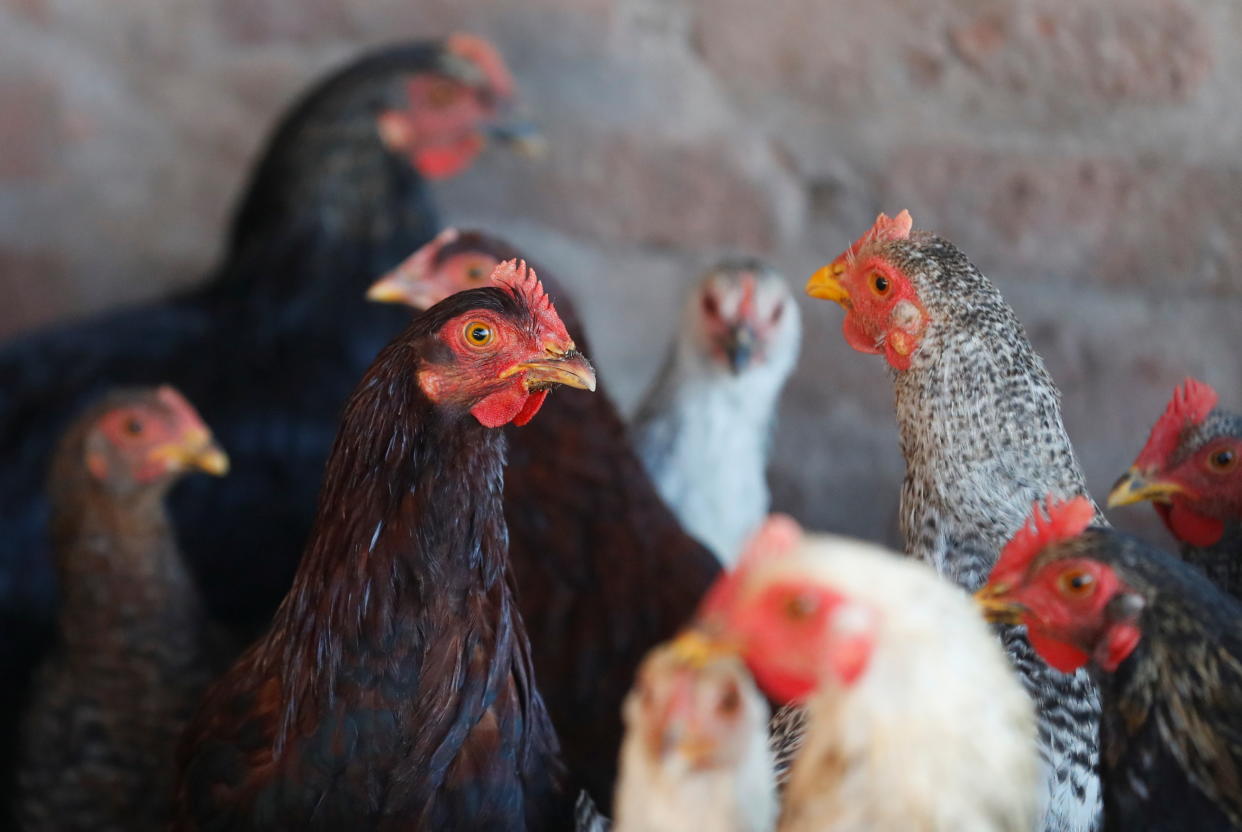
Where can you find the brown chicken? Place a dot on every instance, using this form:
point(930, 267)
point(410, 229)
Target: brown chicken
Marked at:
point(604, 570)
point(134, 649)
point(395, 689)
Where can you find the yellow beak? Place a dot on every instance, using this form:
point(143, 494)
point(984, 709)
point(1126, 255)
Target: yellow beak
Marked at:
point(196, 450)
point(825, 284)
point(570, 368)
point(1134, 487)
point(996, 607)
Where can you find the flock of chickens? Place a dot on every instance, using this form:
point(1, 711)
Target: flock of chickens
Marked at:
point(507, 609)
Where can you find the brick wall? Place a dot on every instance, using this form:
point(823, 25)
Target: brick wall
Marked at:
point(1087, 156)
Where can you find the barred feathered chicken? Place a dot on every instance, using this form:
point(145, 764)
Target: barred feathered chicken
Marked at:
point(395, 689)
point(914, 718)
point(704, 429)
point(1168, 645)
point(604, 571)
point(695, 753)
point(134, 649)
point(1190, 471)
point(982, 435)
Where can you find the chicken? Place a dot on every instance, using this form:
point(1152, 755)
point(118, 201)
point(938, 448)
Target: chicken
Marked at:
point(1189, 470)
point(394, 689)
point(604, 571)
point(704, 429)
point(915, 719)
point(981, 432)
point(1168, 647)
point(134, 649)
point(271, 344)
point(695, 753)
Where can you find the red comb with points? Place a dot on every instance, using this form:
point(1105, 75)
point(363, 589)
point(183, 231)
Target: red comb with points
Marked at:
point(520, 280)
point(1050, 523)
point(884, 229)
point(1190, 405)
point(486, 57)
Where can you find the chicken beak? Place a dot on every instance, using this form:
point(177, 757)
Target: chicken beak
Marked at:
point(996, 607)
point(196, 450)
point(825, 284)
point(569, 368)
point(1134, 487)
point(694, 648)
point(521, 136)
point(395, 288)
point(739, 347)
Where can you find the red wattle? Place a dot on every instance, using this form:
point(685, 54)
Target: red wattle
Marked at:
point(1059, 655)
point(1193, 528)
point(781, 686)
point(501, 407)
point(442, 161)
point(895, 359)
point(533, 402)
point(856, 337)
point(1118, 644)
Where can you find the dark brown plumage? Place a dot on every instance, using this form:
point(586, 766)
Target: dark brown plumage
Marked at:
point(133, 646)
point(395, 688)
point(604, 570)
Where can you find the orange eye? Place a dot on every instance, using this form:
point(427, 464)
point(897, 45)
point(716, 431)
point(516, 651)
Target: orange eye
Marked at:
point(1222, 461)
point(478, 334)
point(1076, 583)
point(879, 284)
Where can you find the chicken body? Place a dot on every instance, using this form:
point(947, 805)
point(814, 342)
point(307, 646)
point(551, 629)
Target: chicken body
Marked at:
point(1168, 647)
point(1189, 469)
point(394, 689)
point(704, 429)
point(134, 649)
point(604, 571)
point(914, 717)
point(695, 753)
point(982, 435)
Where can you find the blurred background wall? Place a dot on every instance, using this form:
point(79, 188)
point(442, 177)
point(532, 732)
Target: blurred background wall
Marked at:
point(1087, 156)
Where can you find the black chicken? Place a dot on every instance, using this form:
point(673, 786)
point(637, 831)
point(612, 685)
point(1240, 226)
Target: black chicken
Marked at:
point(1169, 645)
point(394, 689)
point(604, 570)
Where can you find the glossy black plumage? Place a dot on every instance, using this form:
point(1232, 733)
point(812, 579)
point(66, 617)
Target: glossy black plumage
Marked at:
point(268, 348)
point(394, 689)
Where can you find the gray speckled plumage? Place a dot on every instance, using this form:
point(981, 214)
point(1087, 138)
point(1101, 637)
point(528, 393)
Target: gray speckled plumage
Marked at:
point(982, 435)
point(704, 429)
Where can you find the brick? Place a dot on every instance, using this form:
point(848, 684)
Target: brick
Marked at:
point(273, 21)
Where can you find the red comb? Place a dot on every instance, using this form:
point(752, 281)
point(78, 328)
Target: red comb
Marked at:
point(1190, 405)
point(1053, 522)
point(884, 229)
point(480, 52)
point(779, 535)
point(521, 281)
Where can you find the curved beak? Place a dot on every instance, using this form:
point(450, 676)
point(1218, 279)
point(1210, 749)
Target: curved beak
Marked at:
point(521, 135)
point(569, 368)
point(825, 284)
point(196, 450)
point(1134, 486)
point(739, 346)
point(996, 607)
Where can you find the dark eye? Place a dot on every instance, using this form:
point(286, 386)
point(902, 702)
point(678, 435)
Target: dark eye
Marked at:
point(478, 334)
point(442, 94)
point(475, 273)
point(879, 283)
point(1222, 461)
point(1076, 583)
point(777, 312)
point(730, 700)
point(133, 426)
point(801, 607)
point(710, 306)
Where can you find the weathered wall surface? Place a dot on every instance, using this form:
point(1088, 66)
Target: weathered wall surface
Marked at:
point(1087, 156)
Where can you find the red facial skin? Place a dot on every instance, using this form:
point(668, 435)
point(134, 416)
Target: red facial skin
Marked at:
point(1065, 614)
point(136, 432)
point(790, 639)
point(1213, 492)
point(440, 129)
point(885, 315)
point(721, 327)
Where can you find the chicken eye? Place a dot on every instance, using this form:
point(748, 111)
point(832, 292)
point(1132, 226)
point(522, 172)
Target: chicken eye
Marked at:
point(1222, 461)
point(800, 607)
point(1076, 583)
point(441, 94)
point(777, 312)
point(478, 334)
point(879, 284)
point(133, 426)
point(730, 700)
point(710, 307)
point(474, 273)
